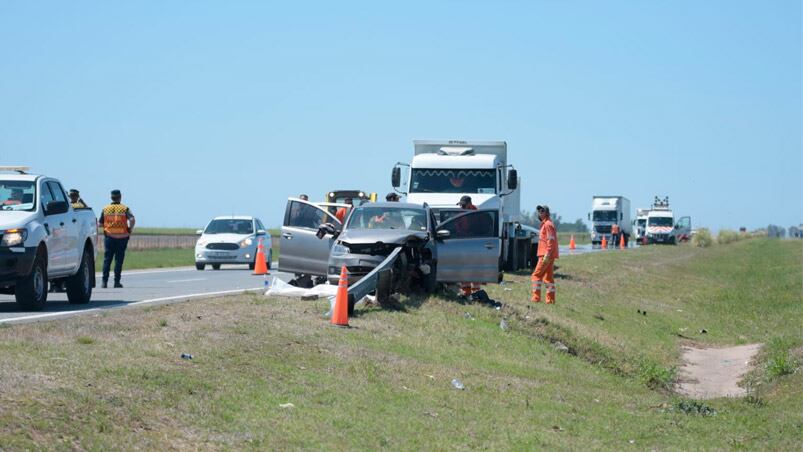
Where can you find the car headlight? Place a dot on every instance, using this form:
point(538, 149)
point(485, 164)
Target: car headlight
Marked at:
point(201, 243)
point(14, 237)
point(339, 250)
point(247, 242)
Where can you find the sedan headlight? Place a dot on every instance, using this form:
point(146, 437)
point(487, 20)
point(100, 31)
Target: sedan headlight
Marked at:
point(14, 237)
point(339, 250)
point(201, 243)
point(247, 242)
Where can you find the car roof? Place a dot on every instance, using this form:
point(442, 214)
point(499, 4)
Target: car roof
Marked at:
point(234, 217)
point(18, 177)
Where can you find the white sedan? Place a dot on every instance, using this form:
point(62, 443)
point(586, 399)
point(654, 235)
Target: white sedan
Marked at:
point(232, 240)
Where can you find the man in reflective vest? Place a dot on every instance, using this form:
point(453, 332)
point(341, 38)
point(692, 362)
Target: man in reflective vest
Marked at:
point(75, 199)
point(341, 212)
point(463, 226)
point(547, 253)
point(117, 222)
point(615, 235)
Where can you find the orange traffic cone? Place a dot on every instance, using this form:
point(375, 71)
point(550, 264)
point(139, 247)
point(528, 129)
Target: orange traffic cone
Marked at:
point(572, 245)
point(340, 314)
point(604, 244)
point(622, 242)
point(260, 267)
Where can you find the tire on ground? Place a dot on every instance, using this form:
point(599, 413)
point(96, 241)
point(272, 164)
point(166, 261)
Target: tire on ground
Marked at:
point(31, 290)
point(200, 266)
point(215, 266)
point(79, 286)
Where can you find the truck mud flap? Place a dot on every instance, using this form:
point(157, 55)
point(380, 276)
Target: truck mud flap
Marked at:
point(367, 283)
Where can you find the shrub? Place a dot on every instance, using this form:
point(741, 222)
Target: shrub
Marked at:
point(726, 236)
point(702, 239)
point(656, 376)
point(780, 360)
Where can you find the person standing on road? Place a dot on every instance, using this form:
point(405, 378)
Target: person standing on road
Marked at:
point(343, 211)
point(463, 226)
point(615, 234)
point(118, 223)
point(547, 253)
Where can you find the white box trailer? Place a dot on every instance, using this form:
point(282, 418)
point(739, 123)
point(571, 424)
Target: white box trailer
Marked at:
point(441, 172)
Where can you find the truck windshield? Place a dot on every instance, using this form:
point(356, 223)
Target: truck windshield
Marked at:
point(642, 222)
point(605, 215)
point(660, 221)
point(17, 195)
point(230, 227)
point(388, 218)
point(453, 181)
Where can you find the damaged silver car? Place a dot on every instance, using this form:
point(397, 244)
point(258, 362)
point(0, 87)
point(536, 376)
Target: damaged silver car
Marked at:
point(466, 248)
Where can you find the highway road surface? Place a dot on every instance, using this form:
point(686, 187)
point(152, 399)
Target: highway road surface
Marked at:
point(147, 287)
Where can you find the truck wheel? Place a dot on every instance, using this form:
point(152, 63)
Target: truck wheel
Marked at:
point(200, 267)
point(79, 286)
point(215, 266)
point(31, 290)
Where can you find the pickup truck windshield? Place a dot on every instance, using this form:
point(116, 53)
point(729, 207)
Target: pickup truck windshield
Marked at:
point(660, 221)
point(17, 195)
point(605, 215)
point(388, 218)
point(453, 181)
point(230, 227)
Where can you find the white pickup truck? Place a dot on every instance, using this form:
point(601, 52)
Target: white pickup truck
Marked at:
point(43, 239)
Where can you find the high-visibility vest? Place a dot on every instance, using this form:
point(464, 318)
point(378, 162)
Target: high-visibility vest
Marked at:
point(615, 229)
point(548, 240)
point(115, 220)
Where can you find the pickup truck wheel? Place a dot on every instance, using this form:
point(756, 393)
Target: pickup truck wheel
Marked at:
point(31, 290)
point(215, 266)
point(79, 286)
point(200, 267)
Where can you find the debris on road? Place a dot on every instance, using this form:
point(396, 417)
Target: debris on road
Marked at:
point(287, 405)
point(561, 347)
point(186, 356)
point(457, 384)
point(503, 325)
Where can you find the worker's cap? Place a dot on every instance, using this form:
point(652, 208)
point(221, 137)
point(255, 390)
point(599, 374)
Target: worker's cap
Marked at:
point(464, 200)
point(544, 208)
point(392, 197)
point(74, 192)
point(116, 193)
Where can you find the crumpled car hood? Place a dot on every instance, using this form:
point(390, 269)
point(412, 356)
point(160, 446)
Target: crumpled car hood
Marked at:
point(389, 236)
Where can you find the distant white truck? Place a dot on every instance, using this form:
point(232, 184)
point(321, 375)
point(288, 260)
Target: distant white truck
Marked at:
point(442, 172)
point(607, 211)
point(640, 224)
point(43, 239)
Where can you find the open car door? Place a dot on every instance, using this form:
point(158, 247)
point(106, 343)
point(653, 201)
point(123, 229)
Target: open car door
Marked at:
point(472, 249)
point(302, 252)
point(683, 228)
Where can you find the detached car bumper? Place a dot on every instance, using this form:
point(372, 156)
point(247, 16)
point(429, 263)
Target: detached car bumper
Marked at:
point(239, 256)
point(14, 263)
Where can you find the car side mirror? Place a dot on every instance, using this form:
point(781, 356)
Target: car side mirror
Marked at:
point(199, 232)
point(261, 232)
point(395, 177)
point(56, 207)
point(443, 234)
point(326, 229)
point(512, 179)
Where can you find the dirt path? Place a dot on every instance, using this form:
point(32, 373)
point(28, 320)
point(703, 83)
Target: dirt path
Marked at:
point(708, 373)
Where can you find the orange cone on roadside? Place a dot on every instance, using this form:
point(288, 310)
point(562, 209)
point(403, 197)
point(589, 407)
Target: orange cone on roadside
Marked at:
point(340, 314)
point(622, 242)
point(572, 245)
point(604, 244)
point(260, 267)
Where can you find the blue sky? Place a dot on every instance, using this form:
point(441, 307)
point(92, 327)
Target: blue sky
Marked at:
point(196, 109)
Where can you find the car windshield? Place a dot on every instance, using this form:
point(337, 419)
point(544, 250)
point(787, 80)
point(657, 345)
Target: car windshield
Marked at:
point(230, 227)
point(367, 217)
point(453, 181)
point(660, 221)
point(605, 215)
point(17, 195)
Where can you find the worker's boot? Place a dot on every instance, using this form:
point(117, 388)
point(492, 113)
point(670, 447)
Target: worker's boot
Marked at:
point(117, 285)
point(104, 284)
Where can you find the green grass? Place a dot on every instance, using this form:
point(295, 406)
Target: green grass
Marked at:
point(155, 258)
point(385, 383)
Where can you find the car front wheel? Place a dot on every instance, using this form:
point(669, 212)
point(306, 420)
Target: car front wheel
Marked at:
point(31, 290)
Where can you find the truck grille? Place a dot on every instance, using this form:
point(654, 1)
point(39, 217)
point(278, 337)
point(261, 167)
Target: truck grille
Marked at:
point(603, 229)
point(222, 246)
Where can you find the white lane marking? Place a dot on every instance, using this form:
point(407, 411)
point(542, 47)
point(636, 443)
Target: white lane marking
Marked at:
point(185, 280)
point(153, 300)
point(195, 295)
point(165, 270)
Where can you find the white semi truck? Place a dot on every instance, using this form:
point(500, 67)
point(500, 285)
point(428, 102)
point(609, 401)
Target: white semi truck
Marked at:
point(442, 172)
point(607, 211)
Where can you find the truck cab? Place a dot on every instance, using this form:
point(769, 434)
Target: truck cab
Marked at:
point(607, 211)
point(661, 223)
point(442, 172)
point(43, 239)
